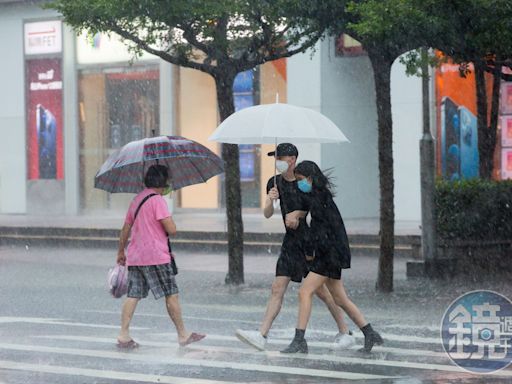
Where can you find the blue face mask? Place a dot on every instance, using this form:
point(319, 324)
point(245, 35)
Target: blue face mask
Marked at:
point(304, 186)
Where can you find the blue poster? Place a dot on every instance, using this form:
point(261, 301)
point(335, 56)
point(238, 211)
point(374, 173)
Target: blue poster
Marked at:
point(243, 95)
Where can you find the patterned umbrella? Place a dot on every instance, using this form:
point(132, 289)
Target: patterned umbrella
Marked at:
point(188, 162)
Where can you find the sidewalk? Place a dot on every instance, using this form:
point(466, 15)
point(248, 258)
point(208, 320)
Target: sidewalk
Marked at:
point(197, 222)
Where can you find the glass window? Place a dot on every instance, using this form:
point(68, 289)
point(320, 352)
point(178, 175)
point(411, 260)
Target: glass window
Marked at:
point(117, 105)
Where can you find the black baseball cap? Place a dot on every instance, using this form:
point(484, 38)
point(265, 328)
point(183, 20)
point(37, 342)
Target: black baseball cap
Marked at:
point(285, 149)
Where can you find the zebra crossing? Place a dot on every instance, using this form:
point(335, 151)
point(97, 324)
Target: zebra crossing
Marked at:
point(72, 351)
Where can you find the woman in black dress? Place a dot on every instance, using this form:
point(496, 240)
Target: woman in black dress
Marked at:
point(330, 253)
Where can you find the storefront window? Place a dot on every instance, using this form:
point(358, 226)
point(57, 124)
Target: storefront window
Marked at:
point(132, 101)
point(117, 105)
point(245, 94)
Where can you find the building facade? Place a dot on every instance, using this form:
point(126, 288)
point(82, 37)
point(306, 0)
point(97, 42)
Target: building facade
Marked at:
point(70, 100)
point(73, 100)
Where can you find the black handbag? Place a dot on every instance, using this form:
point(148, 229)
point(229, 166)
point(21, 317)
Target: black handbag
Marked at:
point(174, 267)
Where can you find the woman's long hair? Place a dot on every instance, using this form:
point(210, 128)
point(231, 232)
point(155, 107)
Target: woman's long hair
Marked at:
point(322, 182)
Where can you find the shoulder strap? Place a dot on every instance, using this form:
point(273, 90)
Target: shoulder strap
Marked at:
point(140, 205)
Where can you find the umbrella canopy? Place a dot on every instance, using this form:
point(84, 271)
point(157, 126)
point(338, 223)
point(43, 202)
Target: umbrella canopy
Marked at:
point(272, 123)
point(188, 161)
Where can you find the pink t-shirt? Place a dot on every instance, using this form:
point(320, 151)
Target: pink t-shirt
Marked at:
point(148, 243)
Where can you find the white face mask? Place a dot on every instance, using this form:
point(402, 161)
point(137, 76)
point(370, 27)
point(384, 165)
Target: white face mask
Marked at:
point(281, 166)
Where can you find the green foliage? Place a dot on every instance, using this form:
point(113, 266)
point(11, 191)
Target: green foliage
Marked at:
point(465, 30)
point(397, 26)
point(414, 60)
point(474, 210)
point(211, 36)
point(473, 29)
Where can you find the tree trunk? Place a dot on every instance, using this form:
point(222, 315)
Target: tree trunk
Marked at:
point(495, 107)
point(486, 153)
point(230, 155)
point(382, 76)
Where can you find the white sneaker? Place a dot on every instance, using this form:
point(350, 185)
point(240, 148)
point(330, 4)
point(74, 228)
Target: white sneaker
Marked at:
point(343, 341)
point(253, 338)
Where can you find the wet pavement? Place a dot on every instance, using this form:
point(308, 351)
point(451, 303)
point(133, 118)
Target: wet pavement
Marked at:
point(58, 325)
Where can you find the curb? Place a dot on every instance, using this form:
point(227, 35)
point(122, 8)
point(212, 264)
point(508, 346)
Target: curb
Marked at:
point(260, 243)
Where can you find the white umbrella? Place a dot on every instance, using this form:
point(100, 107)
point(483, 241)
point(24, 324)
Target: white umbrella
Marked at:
point(273, 123)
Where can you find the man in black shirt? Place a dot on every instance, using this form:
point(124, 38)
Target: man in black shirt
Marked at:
point(291, 264)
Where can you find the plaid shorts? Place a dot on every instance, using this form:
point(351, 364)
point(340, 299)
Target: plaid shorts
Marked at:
point(158, 278)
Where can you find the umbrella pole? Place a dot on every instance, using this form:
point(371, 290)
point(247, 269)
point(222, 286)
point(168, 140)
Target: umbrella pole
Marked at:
point(275, 163)
point(275, 149)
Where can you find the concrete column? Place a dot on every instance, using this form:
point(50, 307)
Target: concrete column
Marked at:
point(13, 153)
point(348, 99)
point(71, 129)
point(305, 91)
point(167, 118)
point(166, 99)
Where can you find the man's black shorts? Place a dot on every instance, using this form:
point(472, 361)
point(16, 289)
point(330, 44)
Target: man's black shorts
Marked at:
point(292, 260)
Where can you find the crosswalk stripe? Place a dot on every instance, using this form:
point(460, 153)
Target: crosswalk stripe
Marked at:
point(104, 374)
point(210, 319)
point(276, 334)
point(230, 308)
point(289, 332)
point(284, 332)
point(198, 363)
point(89, 325)
point(310, 356)
point(47, 321)
point(319, 344)
point(431, 328)
point(13, 319)
point(233, 308)
point(279, 337)
point(422, 328)
point(222, 320)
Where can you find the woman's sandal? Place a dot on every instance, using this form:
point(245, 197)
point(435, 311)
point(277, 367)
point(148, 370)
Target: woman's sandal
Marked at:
point(131, 344)
point(192, 339)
